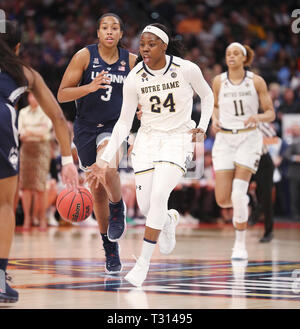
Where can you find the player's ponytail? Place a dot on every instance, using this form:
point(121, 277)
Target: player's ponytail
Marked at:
point(10, 63)
point(175, 47)
point(249, 56)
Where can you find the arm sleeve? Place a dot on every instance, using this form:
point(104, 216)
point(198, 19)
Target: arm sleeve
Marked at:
point(201, 87)
point(122, 127)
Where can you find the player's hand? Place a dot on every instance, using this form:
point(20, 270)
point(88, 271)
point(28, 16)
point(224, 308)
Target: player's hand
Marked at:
point(130, 150)
point(216, 125)
point(198, 135)
point(252, 121)
point(97, 173)
point(100, 82)
point(139, 114)
point(69, 175)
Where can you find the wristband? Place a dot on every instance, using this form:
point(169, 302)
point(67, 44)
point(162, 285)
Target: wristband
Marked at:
point(66, 160)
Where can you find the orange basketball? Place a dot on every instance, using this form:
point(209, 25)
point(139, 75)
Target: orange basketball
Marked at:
point(75, 206)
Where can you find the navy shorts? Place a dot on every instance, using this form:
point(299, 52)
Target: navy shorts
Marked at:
point(86, 139)
point(9, 143)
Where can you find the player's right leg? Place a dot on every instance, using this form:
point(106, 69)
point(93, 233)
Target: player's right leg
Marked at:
point(85, 141)
point(8, 189)
point(117, 207)
point(7, 225)
point(223, 162)
point(101, 211)
point(223, 187)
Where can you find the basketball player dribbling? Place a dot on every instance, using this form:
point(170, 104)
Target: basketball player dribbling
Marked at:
point(94, 79)
point(15, 79)
point(163, 84)
point(237, 149)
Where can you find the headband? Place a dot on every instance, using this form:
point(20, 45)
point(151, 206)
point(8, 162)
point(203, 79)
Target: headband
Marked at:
point(237, 44)
point(158, 32)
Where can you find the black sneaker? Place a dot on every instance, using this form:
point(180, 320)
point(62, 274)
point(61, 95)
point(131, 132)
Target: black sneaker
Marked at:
point(113, 263)
point(117, 221)
point(7, 294)
point(267, 238)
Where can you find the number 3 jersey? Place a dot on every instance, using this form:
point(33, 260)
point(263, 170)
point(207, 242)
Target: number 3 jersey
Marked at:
point(103, 106)
point(237, 102)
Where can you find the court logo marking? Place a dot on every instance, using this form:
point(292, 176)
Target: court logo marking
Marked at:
point(255, 279)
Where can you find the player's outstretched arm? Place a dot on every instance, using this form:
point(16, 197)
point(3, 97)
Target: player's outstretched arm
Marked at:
point(120, 132)
point(50, 106)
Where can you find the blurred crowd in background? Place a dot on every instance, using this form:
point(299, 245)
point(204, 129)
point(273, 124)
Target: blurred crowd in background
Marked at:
point(53, 30)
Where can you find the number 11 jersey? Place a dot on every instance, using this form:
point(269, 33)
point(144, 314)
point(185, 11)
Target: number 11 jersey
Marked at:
point(237, 102)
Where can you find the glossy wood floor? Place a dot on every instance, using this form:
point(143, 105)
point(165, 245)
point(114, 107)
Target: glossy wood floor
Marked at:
point(64, 268)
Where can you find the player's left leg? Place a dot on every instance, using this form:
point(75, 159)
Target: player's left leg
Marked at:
point(240, 202)
point(165, 179)
point(7, 225)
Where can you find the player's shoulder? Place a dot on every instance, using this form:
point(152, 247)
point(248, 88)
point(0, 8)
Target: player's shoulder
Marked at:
point(259, 82)
point(82, 55)
point(182, 63)
point(132, 59)
point(257, 78)
point(137, 69)
point(83, 52)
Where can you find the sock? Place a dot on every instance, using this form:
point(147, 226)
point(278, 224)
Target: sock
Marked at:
point(105, 238)
point(116, 204)
point(3, 264)
point(240, 239)
point(147, 249)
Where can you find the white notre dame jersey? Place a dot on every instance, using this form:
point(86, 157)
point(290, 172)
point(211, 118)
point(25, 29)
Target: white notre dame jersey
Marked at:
point(237, 102)
point(166, 100)
point(165, 96)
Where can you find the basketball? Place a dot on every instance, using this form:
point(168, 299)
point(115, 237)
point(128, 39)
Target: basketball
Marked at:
point(75, 206)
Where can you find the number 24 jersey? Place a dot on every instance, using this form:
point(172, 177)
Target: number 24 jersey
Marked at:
point(166, 95)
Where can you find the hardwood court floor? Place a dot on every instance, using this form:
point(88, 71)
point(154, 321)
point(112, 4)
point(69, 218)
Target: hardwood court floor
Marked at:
point(64, 268)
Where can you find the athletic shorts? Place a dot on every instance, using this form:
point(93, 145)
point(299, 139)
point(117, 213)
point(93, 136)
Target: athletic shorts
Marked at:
point(9, 142)
point(87, 139)
point(158, 147)
point(242, 149)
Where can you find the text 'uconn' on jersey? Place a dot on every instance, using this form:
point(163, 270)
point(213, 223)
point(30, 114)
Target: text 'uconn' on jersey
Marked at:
point(103, 107)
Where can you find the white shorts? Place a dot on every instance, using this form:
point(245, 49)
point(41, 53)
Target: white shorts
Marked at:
point(243, 149)
point(158, 147)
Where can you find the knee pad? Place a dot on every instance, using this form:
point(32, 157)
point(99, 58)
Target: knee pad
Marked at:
point(240, 201)
point(157, 214)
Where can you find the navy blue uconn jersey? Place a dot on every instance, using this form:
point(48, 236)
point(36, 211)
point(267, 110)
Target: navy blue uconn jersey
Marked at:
point(98, 112)
point(103, 106)
point(9, 143)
